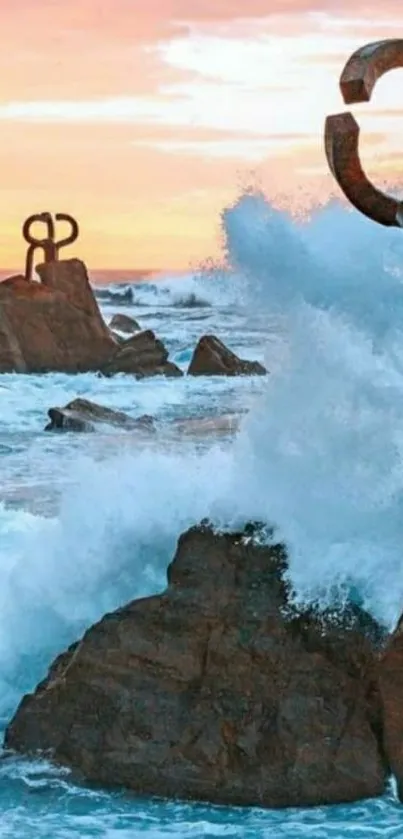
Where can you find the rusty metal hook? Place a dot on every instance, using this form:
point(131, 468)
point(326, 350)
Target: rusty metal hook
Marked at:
point(45, 218)
point(48, 244)
point(357, 81)
point(74, 230)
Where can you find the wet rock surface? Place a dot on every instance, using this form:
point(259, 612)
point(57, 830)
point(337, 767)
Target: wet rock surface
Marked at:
point(217, 689)
point(124, 323)
point(56, 325)
point(391, 687)
point(142, 355)
point(212, 358)
point(52, 325)
point(84, 416)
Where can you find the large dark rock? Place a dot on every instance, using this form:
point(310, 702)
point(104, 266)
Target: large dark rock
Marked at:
point(56, 325)
point(216, 690)
point(391, 686)
point(124, 323)
point(212, 358)
point(83, 415)
point(142, 355)
point(52, 325)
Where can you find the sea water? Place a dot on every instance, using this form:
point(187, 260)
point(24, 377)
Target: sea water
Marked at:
point(89, 522)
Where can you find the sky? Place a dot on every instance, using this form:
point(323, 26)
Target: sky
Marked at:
point(145, 118)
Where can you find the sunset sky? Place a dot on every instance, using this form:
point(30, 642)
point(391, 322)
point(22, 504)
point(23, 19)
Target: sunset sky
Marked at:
point(144, 118)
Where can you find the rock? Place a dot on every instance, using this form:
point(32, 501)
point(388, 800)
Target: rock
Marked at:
point(124, 324)
point(216, 690)
point(212, 358)
point(142, 355)
point(52, 325)
point(119, 339)
point(119, 296)
point(56, 325)
point(83, 415)
point(391, 687)
point(191, 301)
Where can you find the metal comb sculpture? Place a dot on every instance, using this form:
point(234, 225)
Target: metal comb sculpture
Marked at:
point(357, 81)
point(48, 245)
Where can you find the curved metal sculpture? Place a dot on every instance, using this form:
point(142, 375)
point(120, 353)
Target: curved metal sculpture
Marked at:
point(357, 81)
point(48, 244)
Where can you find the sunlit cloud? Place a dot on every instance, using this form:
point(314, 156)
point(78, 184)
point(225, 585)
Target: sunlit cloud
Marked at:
point(244, 150)
point(145, 119)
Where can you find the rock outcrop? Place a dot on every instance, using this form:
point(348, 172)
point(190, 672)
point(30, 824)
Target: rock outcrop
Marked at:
point(216, 689)
point(391, 687)
point(119, 296)
point(52, 325)
point(118, 338)
point(142, 355)
point(56, 325)
point(83, 415)
point(124, 323)
point(212, 358)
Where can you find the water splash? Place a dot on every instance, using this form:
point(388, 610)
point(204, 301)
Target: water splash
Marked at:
point(336, 260)
point(213, 286)
point(321, 453)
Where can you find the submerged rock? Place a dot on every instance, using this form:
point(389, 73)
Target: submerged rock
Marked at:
point(199, 427)
point(124, 323)
point(191, 301)
point(215, 689)
point(118, 337)
point(118, 296)
point(142, 355)
point(83, 415)
point(56, 325)
point(212, 358)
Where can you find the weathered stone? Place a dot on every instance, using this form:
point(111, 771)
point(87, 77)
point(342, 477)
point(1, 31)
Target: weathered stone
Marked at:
point(120, 340)
point(142, 355)
point(56, 325)
point(83, 415)
point(52, 325)
point(216, 690)
point(124, 323)
point(391, 687)
point(212, 358)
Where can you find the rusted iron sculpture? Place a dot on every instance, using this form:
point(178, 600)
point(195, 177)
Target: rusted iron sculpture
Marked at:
point(357, 81)
point(48, 245)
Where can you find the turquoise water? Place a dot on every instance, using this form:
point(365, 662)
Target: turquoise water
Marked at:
point(38, 802)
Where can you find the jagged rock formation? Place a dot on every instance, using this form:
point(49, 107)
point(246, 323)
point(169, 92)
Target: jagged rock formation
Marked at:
point(142, 355)
point(216, 689)
point(56, 325)
point(212, 358)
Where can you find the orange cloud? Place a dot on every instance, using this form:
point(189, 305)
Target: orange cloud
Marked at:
point(144, 119)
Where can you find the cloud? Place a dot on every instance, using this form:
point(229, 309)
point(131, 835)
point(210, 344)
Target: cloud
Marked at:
point(140, 117)
point(242, 149)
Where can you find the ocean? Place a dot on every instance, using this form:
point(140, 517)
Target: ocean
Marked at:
point(89, 522)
